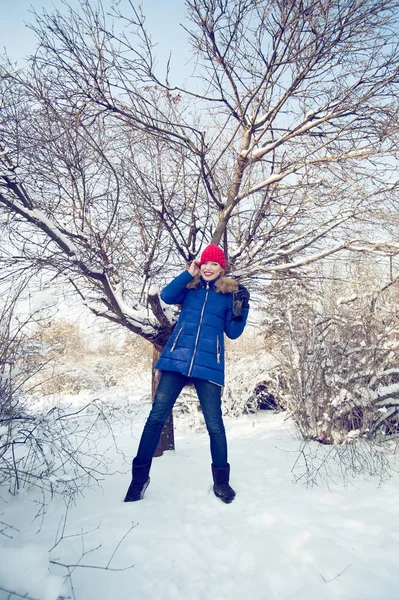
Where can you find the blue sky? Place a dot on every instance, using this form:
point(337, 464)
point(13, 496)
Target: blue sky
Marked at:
point(163, 22)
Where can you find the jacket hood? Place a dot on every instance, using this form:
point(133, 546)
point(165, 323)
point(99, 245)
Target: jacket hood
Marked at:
point(223, 285)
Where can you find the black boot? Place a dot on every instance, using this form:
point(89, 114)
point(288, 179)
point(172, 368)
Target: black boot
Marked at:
point(140, 481)
point(221, 486)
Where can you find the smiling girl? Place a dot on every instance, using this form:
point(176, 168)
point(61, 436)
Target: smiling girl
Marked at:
point(195, 353)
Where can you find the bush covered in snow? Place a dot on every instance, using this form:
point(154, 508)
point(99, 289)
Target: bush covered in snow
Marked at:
point(254, 383)
point(340, 358)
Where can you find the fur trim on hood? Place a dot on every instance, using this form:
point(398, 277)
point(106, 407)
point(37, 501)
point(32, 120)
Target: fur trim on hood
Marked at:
point(223, 285)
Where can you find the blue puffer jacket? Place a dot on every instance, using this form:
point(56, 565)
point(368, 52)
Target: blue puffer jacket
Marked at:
point(196, 347)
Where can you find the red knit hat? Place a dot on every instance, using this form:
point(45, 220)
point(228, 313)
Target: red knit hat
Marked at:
point(213, 253)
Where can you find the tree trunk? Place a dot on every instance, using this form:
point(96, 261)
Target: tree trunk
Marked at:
point(167, 439)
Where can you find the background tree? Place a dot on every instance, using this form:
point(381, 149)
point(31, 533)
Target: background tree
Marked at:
point(280, 148)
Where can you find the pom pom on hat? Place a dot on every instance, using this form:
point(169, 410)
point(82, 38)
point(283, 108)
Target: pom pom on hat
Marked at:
point(213, 253)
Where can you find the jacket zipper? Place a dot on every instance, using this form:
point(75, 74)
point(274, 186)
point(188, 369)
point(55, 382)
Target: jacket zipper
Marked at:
point(198, 331)
point(218, 349)
point(176, 338)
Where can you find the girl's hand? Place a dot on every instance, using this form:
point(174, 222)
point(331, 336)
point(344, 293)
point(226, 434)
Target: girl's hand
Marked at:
point(194, 268)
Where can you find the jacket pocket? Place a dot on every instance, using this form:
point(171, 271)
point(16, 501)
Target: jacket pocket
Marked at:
point(176, 339)
point(218, 349)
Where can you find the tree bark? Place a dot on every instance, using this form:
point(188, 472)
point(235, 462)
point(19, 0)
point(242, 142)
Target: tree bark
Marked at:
point(167, 439)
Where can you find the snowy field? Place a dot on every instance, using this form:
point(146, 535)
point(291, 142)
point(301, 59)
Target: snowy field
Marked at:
point(278, 540)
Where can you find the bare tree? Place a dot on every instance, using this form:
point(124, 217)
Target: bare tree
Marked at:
point(280, 150)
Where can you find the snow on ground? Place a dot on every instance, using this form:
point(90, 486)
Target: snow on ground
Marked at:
point(277, 541)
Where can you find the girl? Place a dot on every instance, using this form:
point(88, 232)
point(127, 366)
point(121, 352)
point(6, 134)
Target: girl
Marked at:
point(211, 306)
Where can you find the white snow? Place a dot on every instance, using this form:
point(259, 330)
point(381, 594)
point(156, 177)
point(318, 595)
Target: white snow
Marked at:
point(387, 393)
point(153, 290)
point(37, 214)
point(278, 540)
point(26, 568)
point(42, 299)
point(138, 315)
point(343, 300)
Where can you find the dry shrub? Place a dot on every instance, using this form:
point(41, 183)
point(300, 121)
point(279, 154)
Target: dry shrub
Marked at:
point(61, 338)
point(76, 366)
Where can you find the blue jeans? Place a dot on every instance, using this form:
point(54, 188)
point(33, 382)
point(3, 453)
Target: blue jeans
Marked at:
point(169, 387)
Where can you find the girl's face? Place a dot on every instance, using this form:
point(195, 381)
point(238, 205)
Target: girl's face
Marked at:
point(210, 270)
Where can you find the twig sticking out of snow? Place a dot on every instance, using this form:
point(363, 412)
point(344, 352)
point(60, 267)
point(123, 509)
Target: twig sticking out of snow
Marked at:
point(336, 577)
